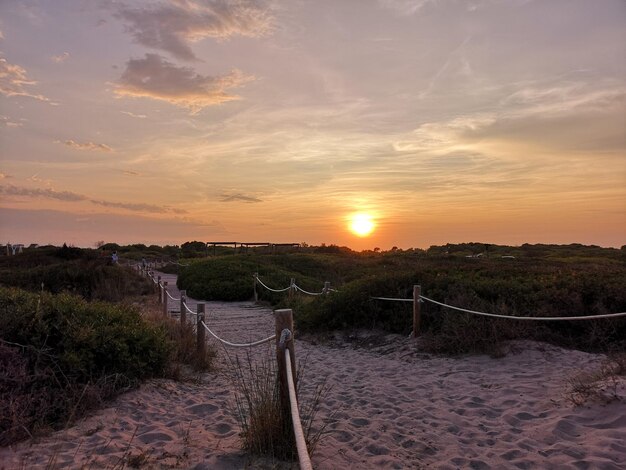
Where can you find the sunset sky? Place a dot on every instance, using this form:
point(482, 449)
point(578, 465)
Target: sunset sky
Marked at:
point(501, 121)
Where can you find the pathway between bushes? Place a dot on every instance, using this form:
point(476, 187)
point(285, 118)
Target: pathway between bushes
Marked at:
point(389, 407)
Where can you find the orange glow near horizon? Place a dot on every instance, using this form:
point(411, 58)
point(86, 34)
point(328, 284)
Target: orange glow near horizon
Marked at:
point(362, 224)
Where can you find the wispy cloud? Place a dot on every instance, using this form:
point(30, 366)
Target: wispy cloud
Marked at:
point(138, 116)
point(14, 81)
point(60, 58)
point(173, 25)
point(9, 123)
point(239, 197)
point(156, 78)
point(85, 145)
point(69, 196)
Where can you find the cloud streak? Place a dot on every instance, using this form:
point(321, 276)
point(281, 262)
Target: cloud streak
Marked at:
point(174, 25)
point(14, 81)
point(239, 197)
point(58, 59)
point(92, 146)
point(155, 78)
point(69, 196)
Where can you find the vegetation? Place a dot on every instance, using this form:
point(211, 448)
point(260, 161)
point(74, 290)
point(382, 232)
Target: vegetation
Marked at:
point(531, 280)
point(88, 273)
point(63, 355)
point(266, 425)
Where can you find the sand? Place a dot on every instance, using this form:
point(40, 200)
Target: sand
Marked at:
point(391, 407)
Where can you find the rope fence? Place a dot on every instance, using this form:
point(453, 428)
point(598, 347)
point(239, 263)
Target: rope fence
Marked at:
point(285, 343)
point(292, 288)
point(284, 347)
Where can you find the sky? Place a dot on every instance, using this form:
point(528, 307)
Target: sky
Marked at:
point(444, 121)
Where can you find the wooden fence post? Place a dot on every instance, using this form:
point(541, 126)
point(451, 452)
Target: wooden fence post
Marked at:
point(284, 320)
point(200, 331)
point(416, 310)
point(326, 289)
point(256, 293)
point(159, 288)
point(292, 288)
point(183, 310)
point(165, 298)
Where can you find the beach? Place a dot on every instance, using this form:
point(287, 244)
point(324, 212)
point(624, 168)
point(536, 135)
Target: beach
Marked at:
point(389, 406)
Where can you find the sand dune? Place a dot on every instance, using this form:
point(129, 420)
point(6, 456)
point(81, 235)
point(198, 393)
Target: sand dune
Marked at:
point(391, 407)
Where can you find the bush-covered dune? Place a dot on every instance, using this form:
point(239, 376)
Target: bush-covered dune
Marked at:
point(591, 282)
point(88, 273)
point(61, 355)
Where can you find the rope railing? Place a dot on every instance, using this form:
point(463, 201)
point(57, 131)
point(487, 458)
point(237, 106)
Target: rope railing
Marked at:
point(270, 289)
point(175, 299)
point(188, 309)
point(393, 299)
point(307, 292)
point(418, 299)
point(513, 317)
point(238, 345)
point(295, 287)
point(303, 453)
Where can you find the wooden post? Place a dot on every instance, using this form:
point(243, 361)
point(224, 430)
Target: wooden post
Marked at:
point(284, 320)
point(200, 331)
point(165, 298)
point(256, 293)
point(159, 288)
point(326, 289)
point(416, 310)
point(292, 288)
point(183, 310)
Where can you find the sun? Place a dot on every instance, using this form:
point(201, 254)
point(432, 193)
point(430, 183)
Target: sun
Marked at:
point(362, 224)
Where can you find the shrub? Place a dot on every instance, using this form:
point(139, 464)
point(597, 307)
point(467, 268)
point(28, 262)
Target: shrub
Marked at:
point(73, 354)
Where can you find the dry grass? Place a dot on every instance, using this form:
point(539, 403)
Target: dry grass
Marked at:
point(266, 426)
point(602, 385)
point(186, 362)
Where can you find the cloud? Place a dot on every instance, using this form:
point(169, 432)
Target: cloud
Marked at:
point(14, 82)
point(85, 145)
point(69, 196)
point(4, 175)
point(239, 197)
point(8, 123)
point(172, 26)
point(60, 58)
point(156, 78)
point(138, 116)
point(130, 173)
point(10, 190)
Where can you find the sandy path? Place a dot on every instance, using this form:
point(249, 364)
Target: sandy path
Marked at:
point(391, 407)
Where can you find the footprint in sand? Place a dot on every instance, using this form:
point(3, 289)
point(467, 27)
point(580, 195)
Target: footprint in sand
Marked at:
point(223, 428)
point(203, 409)
point(360, 422)
point(154, 437)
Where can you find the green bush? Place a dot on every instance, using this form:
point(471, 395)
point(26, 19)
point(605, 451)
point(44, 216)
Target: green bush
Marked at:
point(69, 347)
point(230, 278)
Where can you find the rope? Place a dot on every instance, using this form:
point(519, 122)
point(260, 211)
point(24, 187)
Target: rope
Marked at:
point(269, 288)
point(303, 454)
point(189, 310)
point(392, 299)
point(173, 298)
point(238, 345)
point(586, 317)
point(307, 292)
